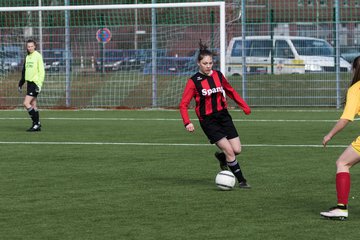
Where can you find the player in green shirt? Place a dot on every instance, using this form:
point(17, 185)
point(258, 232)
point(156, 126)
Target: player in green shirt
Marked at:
point(33, 74)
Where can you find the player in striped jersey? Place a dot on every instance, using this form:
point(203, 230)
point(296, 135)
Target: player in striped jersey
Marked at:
point(351, 155)
point(209, 88)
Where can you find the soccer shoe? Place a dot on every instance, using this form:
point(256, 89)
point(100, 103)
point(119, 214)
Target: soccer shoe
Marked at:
point(336, 213)
point(244, 185)
point(35, 128)
point(222, 160)
point(29, 129)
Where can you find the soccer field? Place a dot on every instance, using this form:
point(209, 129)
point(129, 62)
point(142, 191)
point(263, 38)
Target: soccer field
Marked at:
point(137, 174)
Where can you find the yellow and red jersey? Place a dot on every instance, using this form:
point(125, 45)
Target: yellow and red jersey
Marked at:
point(352, 106)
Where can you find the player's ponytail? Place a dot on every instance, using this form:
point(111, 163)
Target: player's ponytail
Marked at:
point(356, 73)
point(204, 51)
point(356, 70)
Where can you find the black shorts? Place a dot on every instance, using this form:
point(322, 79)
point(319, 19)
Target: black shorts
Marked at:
point(218, 125)
point(32, 89)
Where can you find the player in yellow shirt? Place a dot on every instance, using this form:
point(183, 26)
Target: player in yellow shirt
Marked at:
point(351, 155)
point(33, 74)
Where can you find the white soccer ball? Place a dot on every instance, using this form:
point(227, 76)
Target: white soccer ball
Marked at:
point(225, 180)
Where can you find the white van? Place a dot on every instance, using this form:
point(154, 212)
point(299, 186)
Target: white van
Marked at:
point(290, 55)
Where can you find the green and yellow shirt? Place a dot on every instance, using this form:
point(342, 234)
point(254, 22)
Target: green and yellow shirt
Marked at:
point(34, 68)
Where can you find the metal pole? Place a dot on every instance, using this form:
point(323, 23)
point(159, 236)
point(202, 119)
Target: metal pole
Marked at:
point(212, 21)
point(110, 6)
point(337, 51)
point(222, 38)
point(272, 40)
point(317, 18)
point(243, 43)
point(40, 30)
point(102, 45)
point(136, 28)
point(154, 55)
point(67, 57)
point(2, 54)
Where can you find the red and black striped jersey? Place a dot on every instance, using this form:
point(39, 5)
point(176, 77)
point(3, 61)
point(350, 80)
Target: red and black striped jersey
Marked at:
point(210, 94)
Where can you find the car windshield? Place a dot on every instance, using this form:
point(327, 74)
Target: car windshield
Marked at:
point(148, 53)
point(53, 55)
point(114, 54)
point(313, 47)
point(237, 48)
point(9, 54)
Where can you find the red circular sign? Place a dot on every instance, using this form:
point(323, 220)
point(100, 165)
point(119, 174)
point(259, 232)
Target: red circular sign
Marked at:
point(103, 35)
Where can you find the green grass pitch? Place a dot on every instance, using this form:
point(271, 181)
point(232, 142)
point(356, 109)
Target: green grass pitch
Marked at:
point(139, 175)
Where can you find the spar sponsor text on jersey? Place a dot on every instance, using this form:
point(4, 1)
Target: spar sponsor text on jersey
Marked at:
point(208, 92)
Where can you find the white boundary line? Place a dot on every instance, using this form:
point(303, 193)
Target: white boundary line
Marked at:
point(174, 119)
point(169, 144)
point(231, 109)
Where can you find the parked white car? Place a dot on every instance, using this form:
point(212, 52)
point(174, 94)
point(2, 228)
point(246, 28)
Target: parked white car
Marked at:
point(287, 54)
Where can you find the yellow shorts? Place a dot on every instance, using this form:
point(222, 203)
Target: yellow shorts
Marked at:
point(356, 145)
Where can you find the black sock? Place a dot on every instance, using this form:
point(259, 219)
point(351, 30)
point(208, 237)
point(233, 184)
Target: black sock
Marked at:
point(235, 169)
point(222, 158)
point(36, 117)
point(31, 112)
point(34, 114)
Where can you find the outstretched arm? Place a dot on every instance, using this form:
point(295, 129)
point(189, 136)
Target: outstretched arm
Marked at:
point(22, 80)
point(340, 125)
point(230, 91)
point(188, 94)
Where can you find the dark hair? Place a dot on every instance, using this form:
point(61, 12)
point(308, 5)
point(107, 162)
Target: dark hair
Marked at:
point(356, 70)
point(204, 51)
point(355, 66)
point(31, 41)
